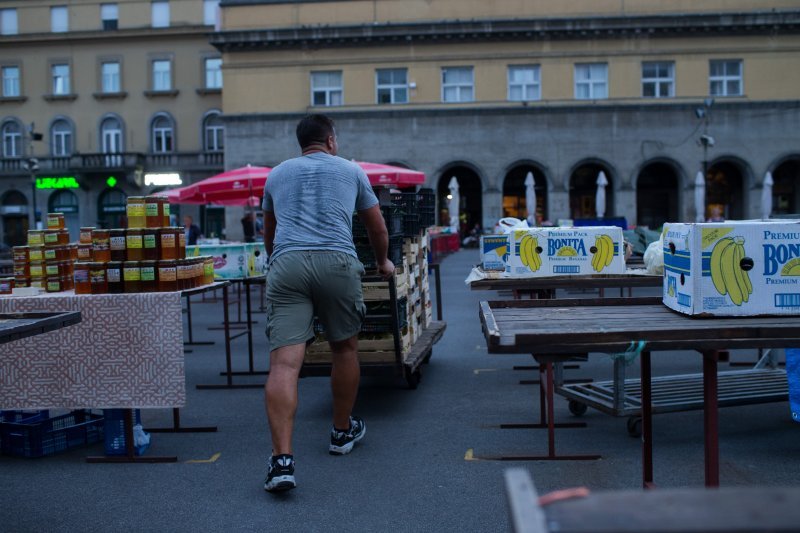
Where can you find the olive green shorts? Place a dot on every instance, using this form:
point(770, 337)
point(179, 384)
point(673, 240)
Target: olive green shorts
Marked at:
point(309, 283)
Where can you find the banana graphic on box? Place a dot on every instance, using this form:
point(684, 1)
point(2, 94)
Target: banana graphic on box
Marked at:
point(529, 254)
point(604, 254)
point(726, 270)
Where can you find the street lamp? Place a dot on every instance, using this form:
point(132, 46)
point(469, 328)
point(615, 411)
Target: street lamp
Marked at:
point(32, 166)
point(706, 140)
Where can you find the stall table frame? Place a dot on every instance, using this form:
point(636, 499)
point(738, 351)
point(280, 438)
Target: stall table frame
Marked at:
point(558, 328)
point(16, 326)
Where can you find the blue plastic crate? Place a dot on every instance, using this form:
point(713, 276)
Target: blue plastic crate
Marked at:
point(24, 417)
point(41, 437)
point(115, 431)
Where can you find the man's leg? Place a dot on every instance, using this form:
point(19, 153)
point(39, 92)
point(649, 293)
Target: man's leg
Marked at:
point(280, 395)
point(345, 376)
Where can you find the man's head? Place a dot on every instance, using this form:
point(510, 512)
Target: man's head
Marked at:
point(187, 220)
point(317, 132)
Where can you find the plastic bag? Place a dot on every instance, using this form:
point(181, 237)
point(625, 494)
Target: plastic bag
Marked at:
point(509, 224)
point(793, 377)
point(654, 258)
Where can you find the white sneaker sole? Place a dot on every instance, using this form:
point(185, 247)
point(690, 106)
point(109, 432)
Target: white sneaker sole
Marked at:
point(280, 484)
point(347, 448)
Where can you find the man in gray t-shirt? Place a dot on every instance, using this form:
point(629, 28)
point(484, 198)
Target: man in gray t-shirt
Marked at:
point(314, 271)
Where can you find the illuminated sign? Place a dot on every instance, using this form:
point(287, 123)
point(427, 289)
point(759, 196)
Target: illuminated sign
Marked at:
point(64, 182)
point(161, 180)
point(111, 181)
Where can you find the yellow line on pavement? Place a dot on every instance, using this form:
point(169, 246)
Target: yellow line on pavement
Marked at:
point(469, 456)
point(211, 460)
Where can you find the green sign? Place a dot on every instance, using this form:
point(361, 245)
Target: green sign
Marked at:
point(64, 182)
point(111, 181)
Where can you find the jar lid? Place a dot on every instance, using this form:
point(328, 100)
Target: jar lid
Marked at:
point(114, 263)
point(131, 263)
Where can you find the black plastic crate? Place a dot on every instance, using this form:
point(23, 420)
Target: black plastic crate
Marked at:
point(406, 202)
point(367, 256)
point(392, 217)
point(427, 217)
point(379, 317)
point(51, 435)
point(411, 225)
point(426, 199)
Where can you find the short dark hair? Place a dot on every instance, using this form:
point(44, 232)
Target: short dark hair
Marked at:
point(314, 129)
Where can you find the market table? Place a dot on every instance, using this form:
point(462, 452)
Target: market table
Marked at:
point(126, 353)
point(555, 329)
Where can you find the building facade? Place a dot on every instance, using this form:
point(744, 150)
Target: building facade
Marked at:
point(651, 93)
point(101, 100)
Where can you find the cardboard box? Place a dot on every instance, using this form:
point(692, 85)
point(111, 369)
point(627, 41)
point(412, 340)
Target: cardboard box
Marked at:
point(745, 268)
point(494, 252)
point(233, 260)
point(541, 252)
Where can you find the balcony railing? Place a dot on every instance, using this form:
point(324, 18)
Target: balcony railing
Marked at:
point(126, 161)
point(185, 161)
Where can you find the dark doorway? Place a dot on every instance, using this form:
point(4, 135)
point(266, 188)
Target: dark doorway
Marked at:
point(514, 197)
point(724, 191)
point(656, 195)
point(471, 198)
point(583, 190)
point(14, 208)
point(786, 190)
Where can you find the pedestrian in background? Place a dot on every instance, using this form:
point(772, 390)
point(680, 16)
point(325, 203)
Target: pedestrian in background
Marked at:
point(191, 230)
point(314, 271)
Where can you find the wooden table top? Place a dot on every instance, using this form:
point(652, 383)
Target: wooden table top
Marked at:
point(614, 325)
point(15, 326)
point(568, 282)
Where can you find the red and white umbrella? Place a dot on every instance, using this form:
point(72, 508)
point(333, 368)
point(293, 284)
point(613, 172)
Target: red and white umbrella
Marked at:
point(390, 175)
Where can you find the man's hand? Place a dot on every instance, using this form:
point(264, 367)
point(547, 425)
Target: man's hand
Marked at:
point(386, 269)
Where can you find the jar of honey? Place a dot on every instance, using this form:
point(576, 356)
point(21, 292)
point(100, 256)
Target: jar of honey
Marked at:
point(21, 254)
point(114, 277)
point(97, 277)
point(6, 285)
point(36, 253)
point(101, 245)
point(55, 220)
point(73, 252)
point(164, 212)
point(40, 282)
point(167, 276)
point(117, 244)
point(52, 268)
point(132, 276)
point(80, 276)
point(63, 237)
point(154, 211)
point(66, 283)
point(168, 241)
point(208, 270)
point(150, 243)
point(22, 282)
point(181, 243)
point(149, 281)
point(54, 284)
point(51, 237)
point(85, 235)
point(22, 270)
point(37, 269)
point(35, 237)
point(134, 243)
point(136, 212)
point(85, 252)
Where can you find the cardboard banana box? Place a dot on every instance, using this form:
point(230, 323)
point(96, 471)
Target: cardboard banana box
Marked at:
point(746, 268)
point(494, 252)
point(542, 252)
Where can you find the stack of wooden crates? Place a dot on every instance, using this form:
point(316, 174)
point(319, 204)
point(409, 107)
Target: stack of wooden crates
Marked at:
point(409, 251)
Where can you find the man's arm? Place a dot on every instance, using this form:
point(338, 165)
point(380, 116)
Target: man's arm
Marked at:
point(269, 231)
point(378, 238)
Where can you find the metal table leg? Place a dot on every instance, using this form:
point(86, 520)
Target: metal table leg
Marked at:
point(177, 428)
point(711, 417)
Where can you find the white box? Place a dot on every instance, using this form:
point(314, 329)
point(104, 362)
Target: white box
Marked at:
point(494, 252)
point(745, 268)
point(541, 252)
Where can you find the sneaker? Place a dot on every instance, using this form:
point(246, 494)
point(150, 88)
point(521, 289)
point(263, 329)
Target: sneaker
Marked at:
point(280, 474)
point(342, 441)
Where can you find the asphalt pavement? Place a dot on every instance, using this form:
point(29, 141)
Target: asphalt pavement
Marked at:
point(417, 469)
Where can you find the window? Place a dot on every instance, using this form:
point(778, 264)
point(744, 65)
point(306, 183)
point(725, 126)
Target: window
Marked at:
point(110, 77)
point(59, 19)
point(524, 83)
point(392, 85)
point(210, 9)
point(162, 75)
point(591, 81)
point(111, 141)
point(61, 138)
point(213, 133)
point(213, 73)
point(457, 84)
point(658, 79)
point(725, 77)
point(326, 88)
point(12, 139)
point(111, 208)
point(60, 79)
point(8, 22)
point(10, 82)
point(109, 16)
point(160, 11)
point(162, 135)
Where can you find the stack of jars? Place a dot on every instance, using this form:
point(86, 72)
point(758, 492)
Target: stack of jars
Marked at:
point(148, 256)
point(47, 261)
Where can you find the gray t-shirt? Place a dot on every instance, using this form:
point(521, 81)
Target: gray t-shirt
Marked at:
point(313, 198)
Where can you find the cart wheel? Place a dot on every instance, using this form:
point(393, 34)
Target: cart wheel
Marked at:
point(635, 426)
point(412, 378)
point(577, 408)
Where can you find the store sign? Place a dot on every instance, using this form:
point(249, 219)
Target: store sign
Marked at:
point(64, 182)
point(162, 180)
point(111, 181)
